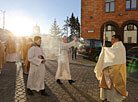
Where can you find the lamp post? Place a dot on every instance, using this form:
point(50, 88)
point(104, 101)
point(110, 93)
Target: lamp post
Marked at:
point(3, 19)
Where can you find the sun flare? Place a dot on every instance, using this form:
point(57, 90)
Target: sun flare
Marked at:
point(20, 25)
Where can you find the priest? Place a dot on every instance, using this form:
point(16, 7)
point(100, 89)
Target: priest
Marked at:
point(2, 55)
point(11, 51)
point(63, 70)
point(111, 71)
point(27, 63)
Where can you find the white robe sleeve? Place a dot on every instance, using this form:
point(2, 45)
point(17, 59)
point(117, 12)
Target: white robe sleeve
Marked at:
point(99, 66)
point(106, 58)
point(32, 58)
point(68, 45)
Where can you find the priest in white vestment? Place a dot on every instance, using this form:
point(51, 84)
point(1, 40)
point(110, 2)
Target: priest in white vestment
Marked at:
point(111, 71)
point(63, 70)
point(36, 75)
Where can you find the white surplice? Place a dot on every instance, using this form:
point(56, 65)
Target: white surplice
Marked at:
point(11, 57)
point(114, 55)
point(63, 70)
point(37, 69)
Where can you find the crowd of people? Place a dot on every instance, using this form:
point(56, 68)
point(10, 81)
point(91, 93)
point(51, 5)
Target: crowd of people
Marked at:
point(31, 55)
point(110, 69)
point(9, 51)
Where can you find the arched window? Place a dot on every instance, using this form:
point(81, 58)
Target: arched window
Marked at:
point(110, 31)
point(130, 33)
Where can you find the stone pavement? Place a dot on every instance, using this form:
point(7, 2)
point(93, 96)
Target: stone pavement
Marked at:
point(85, 89)
point(81, 61)
point(7, 82)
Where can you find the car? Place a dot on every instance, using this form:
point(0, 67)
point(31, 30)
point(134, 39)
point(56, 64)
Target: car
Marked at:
point(92, 48)
point(132, 55)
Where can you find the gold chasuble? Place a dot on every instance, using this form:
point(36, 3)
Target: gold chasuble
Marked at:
point(117, 77)
point(10, 46)
point(110, 70)
point(22, 50)
point(11, 51)
point(2, 55)
point(27, 63)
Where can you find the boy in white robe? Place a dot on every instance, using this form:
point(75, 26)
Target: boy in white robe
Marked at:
point(63, 71)
point(36, 76)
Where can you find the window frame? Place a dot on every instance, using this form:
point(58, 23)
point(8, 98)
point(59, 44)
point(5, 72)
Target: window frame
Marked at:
point(112, 28)
point(129, 9)
point(130, 27)
point(129, 39)
point(109, 2)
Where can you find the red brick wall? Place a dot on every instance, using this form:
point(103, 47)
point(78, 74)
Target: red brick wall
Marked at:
point(96, 8)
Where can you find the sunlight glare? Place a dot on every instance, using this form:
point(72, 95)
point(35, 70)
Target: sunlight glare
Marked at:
point(20, 25)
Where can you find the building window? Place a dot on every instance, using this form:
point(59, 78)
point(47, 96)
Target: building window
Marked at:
point(131, 4)
point(130, 33)
point(129, 39)
point(109, 5)
point(110, 31)
point(106, 38)
point(110, 28)
point(130, 27)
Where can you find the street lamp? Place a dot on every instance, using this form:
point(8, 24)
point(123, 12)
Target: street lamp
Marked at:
point(3, 19)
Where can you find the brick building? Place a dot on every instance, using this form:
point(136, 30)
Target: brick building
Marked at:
point(116, 16)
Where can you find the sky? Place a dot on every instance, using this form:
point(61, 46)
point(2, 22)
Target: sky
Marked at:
point(22, 15)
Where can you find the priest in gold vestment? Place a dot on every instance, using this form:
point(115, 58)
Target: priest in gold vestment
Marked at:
point(2, 55)
point(27, 63)
point(22, 49)
point(110, 70)
point(11, 52)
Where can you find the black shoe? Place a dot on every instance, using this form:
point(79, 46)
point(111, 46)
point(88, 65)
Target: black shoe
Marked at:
point(71, 81)
point(104, 100)
point(44, 93)
point(58, 81)
point(25, 73)
point(30, 92)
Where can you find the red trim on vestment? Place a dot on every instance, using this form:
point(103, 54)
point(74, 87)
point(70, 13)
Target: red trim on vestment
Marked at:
point(105, 81)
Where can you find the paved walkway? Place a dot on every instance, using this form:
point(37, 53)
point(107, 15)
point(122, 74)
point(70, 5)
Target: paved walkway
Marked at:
point(85, 89)
point(81, 61)
point(8, 82)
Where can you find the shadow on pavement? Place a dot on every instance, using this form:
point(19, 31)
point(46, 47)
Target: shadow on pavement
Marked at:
point(8, 82)
point(39, 98)
point(50, 71)
point(89, 98)
point(70, 94)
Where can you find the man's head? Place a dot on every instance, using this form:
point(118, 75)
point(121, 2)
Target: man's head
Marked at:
point(37, 40)
point(64, 39)
point(115, 38)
